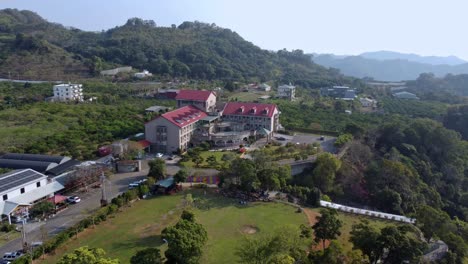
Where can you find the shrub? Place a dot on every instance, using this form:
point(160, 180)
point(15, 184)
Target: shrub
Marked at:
point(7, 227)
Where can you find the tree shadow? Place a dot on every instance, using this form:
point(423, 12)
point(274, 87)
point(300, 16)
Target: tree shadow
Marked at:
point(148, 241)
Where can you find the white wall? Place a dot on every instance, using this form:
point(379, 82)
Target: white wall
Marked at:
point(27, 188)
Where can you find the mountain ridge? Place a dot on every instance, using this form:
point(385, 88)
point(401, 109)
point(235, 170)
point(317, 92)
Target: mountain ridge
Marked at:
point(192, 50)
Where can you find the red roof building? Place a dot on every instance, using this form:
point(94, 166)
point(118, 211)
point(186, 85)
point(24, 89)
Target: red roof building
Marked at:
point(204, 100)
point(255, 116)
point(249, 109)
point(184, 116)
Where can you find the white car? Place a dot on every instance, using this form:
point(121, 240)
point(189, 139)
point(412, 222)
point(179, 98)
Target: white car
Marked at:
point(133, 185)
point(159, 155)
point(73, 199)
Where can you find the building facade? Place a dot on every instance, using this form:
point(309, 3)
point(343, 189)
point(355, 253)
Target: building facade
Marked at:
point(20, 189)
point(203, 100)
point(339, 92)
point(287, 91)
point(198, 121)
point(68, 92)
point(172, 131)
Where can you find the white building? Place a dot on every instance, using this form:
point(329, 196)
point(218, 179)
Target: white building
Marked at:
point(366, 102)
point(265, 87)
point(143, 74)
point(287, 91)
point(19, 189)
point(68, 92)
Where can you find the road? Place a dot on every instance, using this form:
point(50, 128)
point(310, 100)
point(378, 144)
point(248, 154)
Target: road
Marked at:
point(90, 202)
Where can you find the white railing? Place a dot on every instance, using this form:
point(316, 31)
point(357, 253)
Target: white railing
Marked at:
point(353, 210)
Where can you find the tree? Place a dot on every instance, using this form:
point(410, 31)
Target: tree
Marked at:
point(325, 170)
point(42, 209)
point(157, 169)
point(333, 254)
point(197, 159)
point(366, 238)
point(147, 256)
point(431, 221)
point(212, 160)
point(85, 255)
point(185, 241)
point(181, 176)
point(327, 226)
point(281, 246)
point(188, 215)
point(391, 244)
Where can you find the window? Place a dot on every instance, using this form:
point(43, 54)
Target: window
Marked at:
point(5, 197)
point(38, 184)
point(22, 190)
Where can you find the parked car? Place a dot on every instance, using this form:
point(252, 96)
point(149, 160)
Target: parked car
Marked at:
point(159, 155)
point(281, 138)
point(73, 199)
point(142, 181)
point(133, 185)
point(172, 157)
point(322, 138)
point(10, 256)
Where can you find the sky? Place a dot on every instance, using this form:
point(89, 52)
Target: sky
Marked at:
point(350, 27)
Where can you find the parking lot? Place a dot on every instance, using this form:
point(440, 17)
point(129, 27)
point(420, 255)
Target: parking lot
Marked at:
point(327, 143)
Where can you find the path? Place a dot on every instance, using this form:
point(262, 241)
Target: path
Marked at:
point(311, 217)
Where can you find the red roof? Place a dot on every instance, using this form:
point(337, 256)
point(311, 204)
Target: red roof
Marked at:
point(144, 143)
point(249, 109)
point(194, 95)
point(57, 199)
point(184, 116)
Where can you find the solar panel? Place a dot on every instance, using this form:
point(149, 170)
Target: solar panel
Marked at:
point(11, 181)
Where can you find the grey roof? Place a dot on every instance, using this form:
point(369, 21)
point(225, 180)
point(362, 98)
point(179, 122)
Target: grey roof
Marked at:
point(35, 157)
point(166, 183)
point(17, 178)
point(61, 168)
point(40, 166)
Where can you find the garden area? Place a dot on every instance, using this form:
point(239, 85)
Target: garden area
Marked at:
point(226, 221)
point(207, 159)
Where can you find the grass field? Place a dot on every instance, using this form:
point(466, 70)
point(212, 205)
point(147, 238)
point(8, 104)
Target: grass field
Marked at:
point(140, 226)
point(247, 96)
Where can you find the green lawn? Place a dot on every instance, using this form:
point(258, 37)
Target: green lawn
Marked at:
point(140, 226)
point(205, 155)
point(247, 96)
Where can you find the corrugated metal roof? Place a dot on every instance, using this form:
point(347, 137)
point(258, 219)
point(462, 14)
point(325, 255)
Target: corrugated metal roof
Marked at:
point(35, 157)
point(61, 168)
point(40, 166)
point(10, 180)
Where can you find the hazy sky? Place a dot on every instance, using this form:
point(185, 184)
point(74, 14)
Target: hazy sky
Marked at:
point(426, 27)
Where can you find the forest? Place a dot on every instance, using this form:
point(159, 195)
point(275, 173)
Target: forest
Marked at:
point(191, 50)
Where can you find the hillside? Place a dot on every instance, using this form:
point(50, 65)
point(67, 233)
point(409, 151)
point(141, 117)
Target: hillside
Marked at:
point(433, 60)
point(191, 50)
point(386, 70)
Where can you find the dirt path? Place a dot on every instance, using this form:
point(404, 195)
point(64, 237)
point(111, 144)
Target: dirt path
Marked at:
point(311, 217)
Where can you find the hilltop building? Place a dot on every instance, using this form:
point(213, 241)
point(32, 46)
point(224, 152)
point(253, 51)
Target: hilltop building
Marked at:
point(199, 120)
point(339, 92)
point(287, 91)
point(68, 92)
point(143, 74)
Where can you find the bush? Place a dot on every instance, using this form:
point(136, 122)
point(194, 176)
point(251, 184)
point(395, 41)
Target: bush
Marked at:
point(7, 227)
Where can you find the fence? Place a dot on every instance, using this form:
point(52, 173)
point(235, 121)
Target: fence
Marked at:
point(399, 218)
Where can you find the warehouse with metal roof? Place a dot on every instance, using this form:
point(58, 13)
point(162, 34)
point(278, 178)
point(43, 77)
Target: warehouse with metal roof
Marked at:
point(36, 157)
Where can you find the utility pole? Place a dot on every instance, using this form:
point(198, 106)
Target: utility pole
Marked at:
point(103, 190)
point(23, 236)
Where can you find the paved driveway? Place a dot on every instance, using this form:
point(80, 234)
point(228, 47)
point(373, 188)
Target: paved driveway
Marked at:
point(90, 202)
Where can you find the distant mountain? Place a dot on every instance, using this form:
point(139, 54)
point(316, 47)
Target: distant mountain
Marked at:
point(386, 70)
point(391, 55)
point(37, 49)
